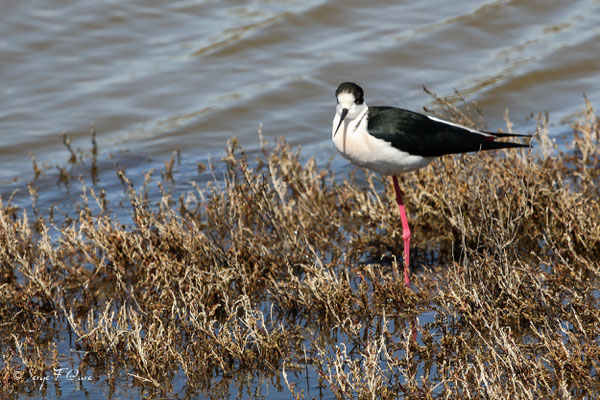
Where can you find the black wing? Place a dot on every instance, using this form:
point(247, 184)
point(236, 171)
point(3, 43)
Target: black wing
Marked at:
point(420, 135)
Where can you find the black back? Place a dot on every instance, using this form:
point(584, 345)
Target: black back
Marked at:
point(419, 135)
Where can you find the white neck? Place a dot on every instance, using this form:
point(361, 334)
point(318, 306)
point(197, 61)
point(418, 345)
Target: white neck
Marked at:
point(356, 116)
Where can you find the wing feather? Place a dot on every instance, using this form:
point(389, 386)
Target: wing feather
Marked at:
point(426, 136)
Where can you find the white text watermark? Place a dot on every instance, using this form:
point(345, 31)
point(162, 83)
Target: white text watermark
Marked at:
point(69, 374)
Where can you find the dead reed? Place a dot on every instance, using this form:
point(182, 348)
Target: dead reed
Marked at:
point(281, 265)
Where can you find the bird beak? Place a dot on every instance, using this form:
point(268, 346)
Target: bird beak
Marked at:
point(344, 113)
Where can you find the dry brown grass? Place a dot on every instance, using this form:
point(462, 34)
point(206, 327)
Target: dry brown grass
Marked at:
point(281, 265)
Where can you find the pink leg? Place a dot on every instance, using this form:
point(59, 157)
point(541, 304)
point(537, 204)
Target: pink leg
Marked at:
point(405, 231)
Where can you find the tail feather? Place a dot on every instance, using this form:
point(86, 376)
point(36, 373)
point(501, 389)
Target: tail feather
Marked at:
point(497, 134)
point(492, 145)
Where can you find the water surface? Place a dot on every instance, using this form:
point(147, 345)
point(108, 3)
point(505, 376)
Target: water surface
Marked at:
point(152, 77)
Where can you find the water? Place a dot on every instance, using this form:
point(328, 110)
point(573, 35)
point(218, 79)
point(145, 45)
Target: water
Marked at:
point(152, 77)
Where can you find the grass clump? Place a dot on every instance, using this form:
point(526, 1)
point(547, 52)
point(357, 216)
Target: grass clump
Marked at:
point(281, 266)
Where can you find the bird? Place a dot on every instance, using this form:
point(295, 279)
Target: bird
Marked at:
point(393, 141)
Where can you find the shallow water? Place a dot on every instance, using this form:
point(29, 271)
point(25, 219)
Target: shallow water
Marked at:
point(152, 77)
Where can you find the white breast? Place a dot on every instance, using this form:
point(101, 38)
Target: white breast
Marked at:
point(366, 151)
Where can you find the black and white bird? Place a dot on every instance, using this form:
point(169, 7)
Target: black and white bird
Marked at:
point(393, 141)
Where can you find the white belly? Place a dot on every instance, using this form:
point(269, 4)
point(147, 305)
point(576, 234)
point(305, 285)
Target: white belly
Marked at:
point(375, 154)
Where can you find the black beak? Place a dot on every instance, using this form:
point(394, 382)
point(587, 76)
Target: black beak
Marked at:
point(344, 113)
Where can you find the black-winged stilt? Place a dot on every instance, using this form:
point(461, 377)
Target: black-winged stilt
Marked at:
point(392, 141)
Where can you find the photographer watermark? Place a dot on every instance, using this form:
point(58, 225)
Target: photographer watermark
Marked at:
point(68, 374)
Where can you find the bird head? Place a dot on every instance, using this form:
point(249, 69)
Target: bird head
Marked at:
point(350, 102)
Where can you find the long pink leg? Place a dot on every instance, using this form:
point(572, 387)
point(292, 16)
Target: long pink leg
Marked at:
point(405, 231)
point(406, 236)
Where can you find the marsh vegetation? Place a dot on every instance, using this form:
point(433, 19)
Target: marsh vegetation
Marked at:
point(278, 265)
